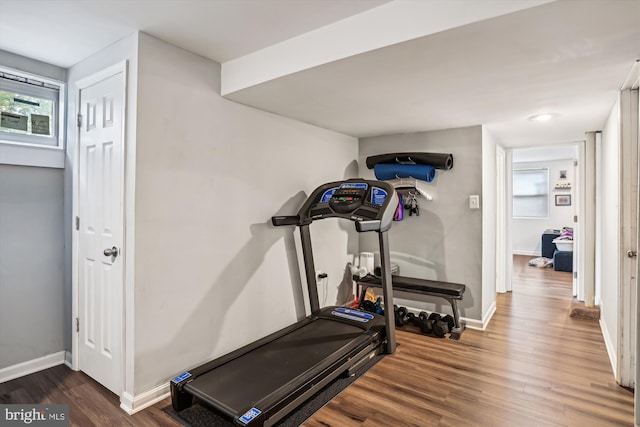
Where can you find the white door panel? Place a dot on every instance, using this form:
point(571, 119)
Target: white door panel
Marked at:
point(101, 228)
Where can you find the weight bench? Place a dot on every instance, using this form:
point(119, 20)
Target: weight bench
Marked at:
point(452, 292)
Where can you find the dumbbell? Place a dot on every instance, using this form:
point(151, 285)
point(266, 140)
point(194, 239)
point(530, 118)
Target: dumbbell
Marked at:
point(424, 323)
point(411, 318)
point(440, 328)
point(401, 316)
point(448, 319)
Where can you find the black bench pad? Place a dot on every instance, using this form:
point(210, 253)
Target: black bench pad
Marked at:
point(418, 286)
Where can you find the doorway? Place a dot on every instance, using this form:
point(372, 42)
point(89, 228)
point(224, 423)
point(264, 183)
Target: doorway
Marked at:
point(98, 338)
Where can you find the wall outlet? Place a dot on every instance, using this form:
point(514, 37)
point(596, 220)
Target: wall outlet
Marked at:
point(474, 202)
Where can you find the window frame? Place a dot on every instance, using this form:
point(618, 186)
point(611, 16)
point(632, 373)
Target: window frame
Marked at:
point(19, 85)
point(546, 194)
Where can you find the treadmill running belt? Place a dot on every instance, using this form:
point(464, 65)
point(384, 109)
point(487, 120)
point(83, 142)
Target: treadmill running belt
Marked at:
point(241, 382)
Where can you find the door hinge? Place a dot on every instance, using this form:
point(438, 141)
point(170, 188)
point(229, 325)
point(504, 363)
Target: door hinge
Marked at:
point(575, 274)
point(77, 324)
point(77, 223)
point(79, 120)
point(575, 218)
point(575, 163)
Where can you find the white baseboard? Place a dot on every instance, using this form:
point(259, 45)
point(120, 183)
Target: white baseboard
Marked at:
point(481, 325)
point(527, 253)
point(488, 315)
point(31, 366)
point(611, 350)
point(68, 359)
point(131, 404)
point(473, 324)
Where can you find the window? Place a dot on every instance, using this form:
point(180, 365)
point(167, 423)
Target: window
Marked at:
point(531, 193)
point(29, 110)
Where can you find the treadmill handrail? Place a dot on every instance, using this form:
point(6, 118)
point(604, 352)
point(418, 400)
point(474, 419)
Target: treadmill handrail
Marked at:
point(371, 225)
point(281, 220)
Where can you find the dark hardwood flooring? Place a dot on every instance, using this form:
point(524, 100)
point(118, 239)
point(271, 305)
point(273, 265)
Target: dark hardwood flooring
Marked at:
point(533, 366)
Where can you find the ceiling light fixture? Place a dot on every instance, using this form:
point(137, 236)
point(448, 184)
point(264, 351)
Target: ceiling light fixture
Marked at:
point(543, 117)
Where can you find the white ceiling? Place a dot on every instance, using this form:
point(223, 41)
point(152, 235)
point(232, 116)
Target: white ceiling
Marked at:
point(569, 57)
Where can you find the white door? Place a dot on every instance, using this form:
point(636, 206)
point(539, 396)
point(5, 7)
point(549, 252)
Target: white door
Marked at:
point(100, 283)
point(629, 238)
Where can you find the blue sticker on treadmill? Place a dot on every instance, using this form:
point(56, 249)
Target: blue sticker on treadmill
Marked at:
point(350, 317)
point(181, 377)
point(378, 196)
point(326, 196)
point(249, 416)
point(359, 185)
point(355, 312)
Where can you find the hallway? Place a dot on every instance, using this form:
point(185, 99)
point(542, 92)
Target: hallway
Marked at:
point(533, 366)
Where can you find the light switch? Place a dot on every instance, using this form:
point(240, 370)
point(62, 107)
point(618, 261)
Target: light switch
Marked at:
point(474, 202)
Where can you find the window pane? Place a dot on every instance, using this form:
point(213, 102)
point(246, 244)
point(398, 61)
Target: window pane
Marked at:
point(29, 110)
point(26, 115)
point(531, 193)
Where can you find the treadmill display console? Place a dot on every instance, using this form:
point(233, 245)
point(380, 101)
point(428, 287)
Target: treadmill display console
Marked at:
point(353, 199)
point(348, 197)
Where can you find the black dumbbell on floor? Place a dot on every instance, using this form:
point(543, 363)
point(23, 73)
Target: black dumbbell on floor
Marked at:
point(448, 319)
point(400, 315)
point(423, 322)
point(440, 326)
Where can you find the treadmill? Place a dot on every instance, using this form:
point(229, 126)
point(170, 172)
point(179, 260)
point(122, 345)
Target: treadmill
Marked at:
point(260, 383)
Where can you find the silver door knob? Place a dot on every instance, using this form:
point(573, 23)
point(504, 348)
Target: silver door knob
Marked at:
point(631, 254)
point(111, 252)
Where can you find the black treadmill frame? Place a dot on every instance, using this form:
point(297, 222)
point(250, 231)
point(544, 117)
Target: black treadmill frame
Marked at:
point(281, 401)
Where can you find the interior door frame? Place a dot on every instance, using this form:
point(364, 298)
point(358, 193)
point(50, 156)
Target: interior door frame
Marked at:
point(501, 221)
point(629, 216)
point(79, 85)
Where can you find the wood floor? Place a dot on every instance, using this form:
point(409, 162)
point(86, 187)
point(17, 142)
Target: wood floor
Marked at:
point(533, 366)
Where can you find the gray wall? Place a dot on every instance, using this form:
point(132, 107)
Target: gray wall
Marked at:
point(31, 249)
point(18, 62)
point(445, 241)
point(31, 263)
point(211, 272)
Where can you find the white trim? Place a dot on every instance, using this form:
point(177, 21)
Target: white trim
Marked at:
point(481, 325)
point(131, 404)
point(31, 366)
point(473, 324)
point(501, 221)
point(118, 68)
point(508, 235)
point(68, 359)
point(488, 315)
point(97, 77)
point(26, 155)
point(627, 285)
point(527, 253)
point(611, 350)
